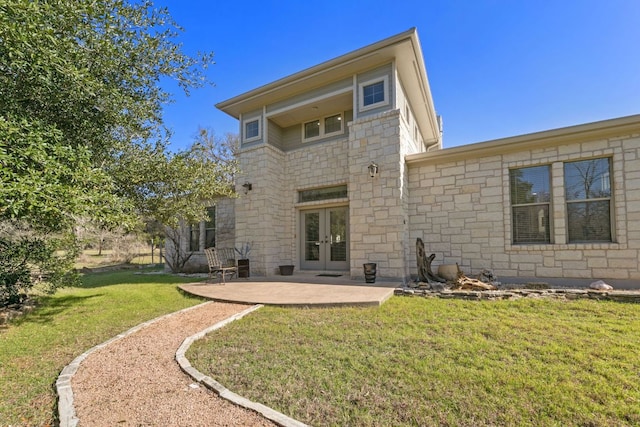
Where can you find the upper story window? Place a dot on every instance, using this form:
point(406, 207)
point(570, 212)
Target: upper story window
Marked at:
point(588, 196)
point(321, 128)
point(530, 203)
point(251, 130)
point(374, 93)
point(312, 129)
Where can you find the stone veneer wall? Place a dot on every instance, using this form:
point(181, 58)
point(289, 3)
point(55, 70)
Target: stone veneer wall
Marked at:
point(461, 209)
point(377, 214)
point(259, 214)
point(318, 165)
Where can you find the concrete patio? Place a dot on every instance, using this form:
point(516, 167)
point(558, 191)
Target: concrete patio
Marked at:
point(301, 290)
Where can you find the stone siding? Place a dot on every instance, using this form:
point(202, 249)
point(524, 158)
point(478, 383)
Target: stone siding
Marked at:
point(461, 209)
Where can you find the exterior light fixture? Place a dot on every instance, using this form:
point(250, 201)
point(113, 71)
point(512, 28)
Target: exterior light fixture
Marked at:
point(247, 187)
point(373, 169)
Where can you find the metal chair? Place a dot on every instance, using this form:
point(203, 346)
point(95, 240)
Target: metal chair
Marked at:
point(221, 262)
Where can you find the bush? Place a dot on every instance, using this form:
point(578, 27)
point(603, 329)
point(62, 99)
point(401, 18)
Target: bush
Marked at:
point(27, 261)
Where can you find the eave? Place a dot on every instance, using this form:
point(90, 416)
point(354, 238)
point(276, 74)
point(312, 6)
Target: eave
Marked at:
point(622, 126)
point(403, 48)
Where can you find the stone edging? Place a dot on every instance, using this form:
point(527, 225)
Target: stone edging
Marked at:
point(512, 294)
point(218, 388)
point(66, 411)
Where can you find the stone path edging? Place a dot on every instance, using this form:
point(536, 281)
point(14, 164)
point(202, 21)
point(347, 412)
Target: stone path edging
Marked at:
point(66, 411)
point(218, 388)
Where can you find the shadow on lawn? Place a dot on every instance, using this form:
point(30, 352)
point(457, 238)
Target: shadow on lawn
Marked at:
point(49, 308)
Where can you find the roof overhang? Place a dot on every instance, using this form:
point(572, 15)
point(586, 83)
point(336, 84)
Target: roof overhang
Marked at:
point(622, 126)
point(403, 48)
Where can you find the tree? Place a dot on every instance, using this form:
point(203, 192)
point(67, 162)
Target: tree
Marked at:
point(185, 184)
point(81, 111)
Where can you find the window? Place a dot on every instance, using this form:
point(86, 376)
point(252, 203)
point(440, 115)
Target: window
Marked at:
point(252, 130)
point(194, 237)
point(210, 228)
point(530, 203)
point(320, 128)
point(373, 93)
point(312, 129)
point(326, 193)
point(588, 194)
point(333, 124)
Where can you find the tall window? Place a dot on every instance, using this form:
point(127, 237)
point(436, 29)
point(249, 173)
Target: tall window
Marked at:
point(530, 202)
point(588, 194)
point(194, 237)
point(210, 228)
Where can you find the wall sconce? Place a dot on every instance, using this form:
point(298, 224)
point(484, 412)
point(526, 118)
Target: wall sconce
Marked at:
point(373, 170)
point(247, 187)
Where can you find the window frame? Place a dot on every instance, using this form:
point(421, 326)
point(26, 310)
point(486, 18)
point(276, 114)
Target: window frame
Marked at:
point(589, 200)
point(549, 237)
point(322, 127)
point(385, 93)
point(246, 123)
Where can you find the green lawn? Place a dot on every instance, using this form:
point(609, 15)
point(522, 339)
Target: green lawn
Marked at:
point(422, 362)
point(35, 348)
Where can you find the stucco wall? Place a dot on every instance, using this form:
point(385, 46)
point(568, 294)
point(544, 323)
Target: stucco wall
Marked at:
point(461, 209)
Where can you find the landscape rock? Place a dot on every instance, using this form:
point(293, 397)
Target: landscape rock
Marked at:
point(600, 286)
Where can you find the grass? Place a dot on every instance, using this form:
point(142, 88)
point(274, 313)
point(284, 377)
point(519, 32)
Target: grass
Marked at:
point(90, 258)
point(437, 362)
point(35, 348)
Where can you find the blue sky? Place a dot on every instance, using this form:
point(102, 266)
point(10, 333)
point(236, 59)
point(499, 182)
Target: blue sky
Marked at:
point(497, 68)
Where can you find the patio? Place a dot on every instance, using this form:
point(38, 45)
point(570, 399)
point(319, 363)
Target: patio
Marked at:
point(301, 290)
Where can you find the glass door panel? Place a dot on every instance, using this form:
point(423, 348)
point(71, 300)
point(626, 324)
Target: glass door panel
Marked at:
point(325, 239)
point(312, 236)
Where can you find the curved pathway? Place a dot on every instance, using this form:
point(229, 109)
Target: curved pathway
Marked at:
point(135, 380)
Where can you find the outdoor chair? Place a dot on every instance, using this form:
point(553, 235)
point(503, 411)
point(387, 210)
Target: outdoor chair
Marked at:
point(221, 262)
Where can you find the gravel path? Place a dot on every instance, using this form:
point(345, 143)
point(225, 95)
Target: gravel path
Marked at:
point(135, 381)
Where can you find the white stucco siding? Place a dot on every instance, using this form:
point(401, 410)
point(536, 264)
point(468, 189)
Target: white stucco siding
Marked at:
point(462, 210)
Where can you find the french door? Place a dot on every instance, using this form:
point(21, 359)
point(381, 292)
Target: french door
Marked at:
point(325, 244)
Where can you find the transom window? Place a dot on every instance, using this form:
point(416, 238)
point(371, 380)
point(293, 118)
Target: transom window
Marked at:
point(321, 128)
point(530, 202)
point(588, 196)
point(326, 193)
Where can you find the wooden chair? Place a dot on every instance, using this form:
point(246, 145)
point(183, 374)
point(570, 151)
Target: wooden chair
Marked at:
point(221, 262)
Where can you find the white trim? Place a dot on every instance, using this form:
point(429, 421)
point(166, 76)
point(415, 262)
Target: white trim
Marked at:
point(385, 101)
point(322, 134)
point(245, 122)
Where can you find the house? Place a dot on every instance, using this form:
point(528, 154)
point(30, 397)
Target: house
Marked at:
point(342, 164)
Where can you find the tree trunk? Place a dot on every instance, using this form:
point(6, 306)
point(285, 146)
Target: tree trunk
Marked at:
point(425, 274)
